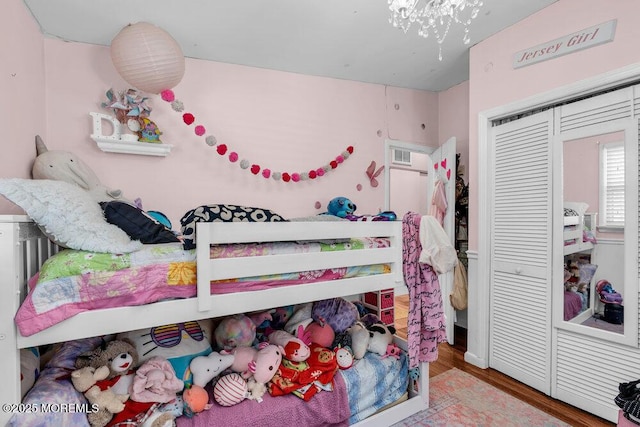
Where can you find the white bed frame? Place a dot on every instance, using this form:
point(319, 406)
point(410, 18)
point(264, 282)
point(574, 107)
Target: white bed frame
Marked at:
point(23, 249)
point(574, 227)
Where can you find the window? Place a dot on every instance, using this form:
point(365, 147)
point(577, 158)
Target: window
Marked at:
point(612, 185)
point(401, 157)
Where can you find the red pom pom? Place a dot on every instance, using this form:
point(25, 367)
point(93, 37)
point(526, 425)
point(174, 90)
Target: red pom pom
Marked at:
point(222, 149)
point(312, 174)
point(255, 169)
point(350, 149)
point(286, 177)
point(333, 164)
point(188, 118)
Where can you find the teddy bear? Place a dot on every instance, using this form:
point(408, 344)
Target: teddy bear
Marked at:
point(120, 358)
point(106, 401)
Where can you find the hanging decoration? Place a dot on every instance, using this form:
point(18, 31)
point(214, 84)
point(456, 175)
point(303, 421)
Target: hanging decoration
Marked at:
point(147, 57)
point(372, 173)
point(256, 169)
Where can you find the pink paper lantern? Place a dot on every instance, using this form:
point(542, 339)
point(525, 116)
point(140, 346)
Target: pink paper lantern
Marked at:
point(147, 57)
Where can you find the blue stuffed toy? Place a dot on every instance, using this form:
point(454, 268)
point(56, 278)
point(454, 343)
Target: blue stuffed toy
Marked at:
point(341, 207)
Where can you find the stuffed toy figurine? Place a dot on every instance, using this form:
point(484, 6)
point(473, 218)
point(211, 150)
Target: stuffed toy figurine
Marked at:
point(104, 403)
point(392, 351)
point(374, 338)
point(295, 349)
point(257, 366)
point(206, 368)
point(65, 166)
point(230, 390)
point(196, 400)
point(380, 337)
point(341, 207)
point(121, 358)
point(344, 357)
point(235, 331)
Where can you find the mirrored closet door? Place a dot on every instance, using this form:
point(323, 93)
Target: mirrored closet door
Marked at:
point(595, 217)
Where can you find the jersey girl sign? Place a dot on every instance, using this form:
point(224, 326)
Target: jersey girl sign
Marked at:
point(589, 37)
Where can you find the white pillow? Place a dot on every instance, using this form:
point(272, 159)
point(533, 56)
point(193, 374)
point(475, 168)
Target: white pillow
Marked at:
point(68, 214)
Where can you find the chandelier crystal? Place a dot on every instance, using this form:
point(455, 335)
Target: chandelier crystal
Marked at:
point(434, 17)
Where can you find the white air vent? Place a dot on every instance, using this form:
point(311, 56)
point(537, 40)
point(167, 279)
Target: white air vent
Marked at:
point(401, 157)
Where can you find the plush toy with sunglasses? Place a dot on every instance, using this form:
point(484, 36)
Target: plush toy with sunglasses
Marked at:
point(179, 343)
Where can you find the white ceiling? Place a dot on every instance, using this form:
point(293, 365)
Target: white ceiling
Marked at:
point(344, 39)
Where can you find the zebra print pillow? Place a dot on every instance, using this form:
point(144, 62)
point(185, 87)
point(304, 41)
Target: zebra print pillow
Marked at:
point(222, 213)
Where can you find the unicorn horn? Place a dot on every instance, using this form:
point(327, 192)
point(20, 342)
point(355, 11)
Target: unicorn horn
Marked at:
point(40, 147)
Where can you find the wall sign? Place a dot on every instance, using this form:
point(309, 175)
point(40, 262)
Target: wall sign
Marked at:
point(589, 37)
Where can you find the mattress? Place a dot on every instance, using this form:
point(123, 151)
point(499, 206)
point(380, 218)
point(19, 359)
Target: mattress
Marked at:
point(74, 281)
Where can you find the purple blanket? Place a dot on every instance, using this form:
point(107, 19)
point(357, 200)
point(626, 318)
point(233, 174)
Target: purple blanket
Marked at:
point(324, 409)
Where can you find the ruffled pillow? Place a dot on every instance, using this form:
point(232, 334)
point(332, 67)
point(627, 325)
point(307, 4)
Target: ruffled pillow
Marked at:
point(67, 214)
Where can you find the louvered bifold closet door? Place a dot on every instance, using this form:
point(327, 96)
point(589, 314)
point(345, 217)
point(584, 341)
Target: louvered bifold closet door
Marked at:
point(520, 319)
point(578, 379)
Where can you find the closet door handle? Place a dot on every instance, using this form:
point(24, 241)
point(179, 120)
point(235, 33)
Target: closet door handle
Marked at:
point(518, 270)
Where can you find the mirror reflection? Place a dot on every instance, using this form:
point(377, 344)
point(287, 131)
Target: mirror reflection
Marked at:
point(593, 231)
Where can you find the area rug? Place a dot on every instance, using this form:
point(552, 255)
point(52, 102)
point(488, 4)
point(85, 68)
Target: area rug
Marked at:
point(458, 399)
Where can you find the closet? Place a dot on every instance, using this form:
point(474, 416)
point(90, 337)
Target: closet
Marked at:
point(529, 338)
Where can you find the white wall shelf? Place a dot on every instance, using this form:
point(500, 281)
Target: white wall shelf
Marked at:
point(108, 145)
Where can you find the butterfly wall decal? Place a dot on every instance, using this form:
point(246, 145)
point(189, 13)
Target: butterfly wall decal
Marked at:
point(372, 173)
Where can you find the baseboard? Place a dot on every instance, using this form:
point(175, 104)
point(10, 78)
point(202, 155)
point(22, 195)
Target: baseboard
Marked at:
point(475, 360)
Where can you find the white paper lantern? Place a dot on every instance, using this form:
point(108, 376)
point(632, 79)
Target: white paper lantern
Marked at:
point(147, 57)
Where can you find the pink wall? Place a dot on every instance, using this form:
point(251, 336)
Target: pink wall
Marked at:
point(284, 121)
point(22, 84)
point(493, 82)
point(454, 120)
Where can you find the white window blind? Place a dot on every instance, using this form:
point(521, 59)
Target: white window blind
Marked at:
point(612, 184)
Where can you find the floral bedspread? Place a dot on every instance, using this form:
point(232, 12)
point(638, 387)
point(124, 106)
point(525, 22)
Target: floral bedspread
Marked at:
point(73, 281)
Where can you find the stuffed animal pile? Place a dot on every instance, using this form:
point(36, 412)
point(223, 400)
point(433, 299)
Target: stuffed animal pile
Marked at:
point(290, 350)
point(295, 350)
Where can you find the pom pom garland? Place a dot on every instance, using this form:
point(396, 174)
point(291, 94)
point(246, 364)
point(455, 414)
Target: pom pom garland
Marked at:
point(188, 118)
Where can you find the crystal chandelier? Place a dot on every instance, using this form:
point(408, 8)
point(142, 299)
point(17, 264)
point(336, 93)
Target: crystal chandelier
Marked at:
point(434, 16)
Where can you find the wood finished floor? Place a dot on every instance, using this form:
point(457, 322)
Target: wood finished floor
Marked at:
point(452, 356)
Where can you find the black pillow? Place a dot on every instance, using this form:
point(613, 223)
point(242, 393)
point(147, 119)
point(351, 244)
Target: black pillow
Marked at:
point(136, 223)
point(222, 213)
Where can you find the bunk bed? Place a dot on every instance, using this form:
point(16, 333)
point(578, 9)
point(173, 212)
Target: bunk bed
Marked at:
point(579, 242)
point(24, 248)
point(578, 227)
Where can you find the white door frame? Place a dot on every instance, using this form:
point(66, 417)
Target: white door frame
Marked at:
point(478, 312)
point(446, 279)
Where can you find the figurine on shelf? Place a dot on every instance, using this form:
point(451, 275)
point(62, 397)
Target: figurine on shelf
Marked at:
point(131, 111)
point(130, 124)
point(149, 131)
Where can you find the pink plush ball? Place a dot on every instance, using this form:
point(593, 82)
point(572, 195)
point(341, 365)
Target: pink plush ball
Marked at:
point(230, 390)
point(321, 334)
